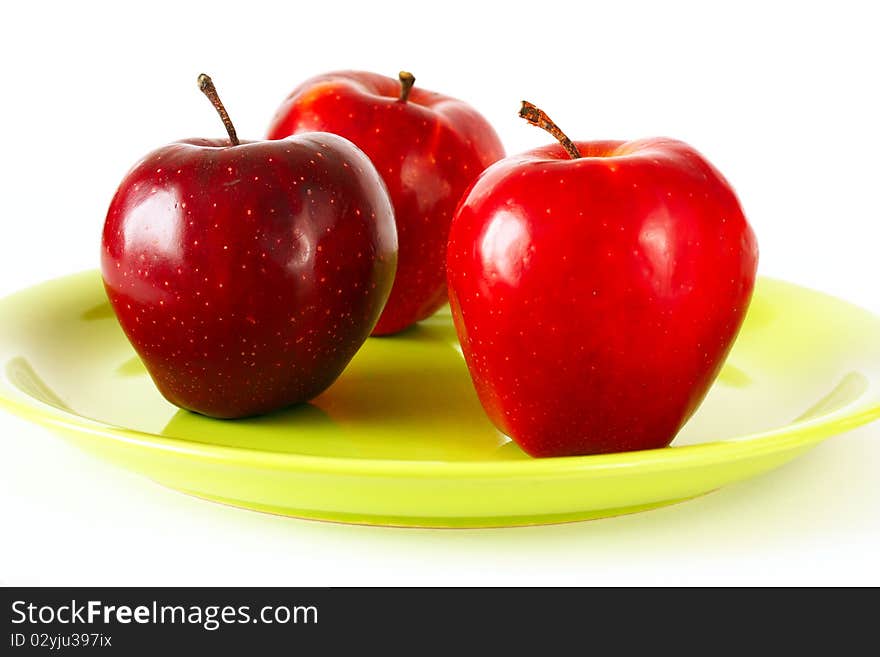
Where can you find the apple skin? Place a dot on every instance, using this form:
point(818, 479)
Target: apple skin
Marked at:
point(597, 298)
point(428, 150)
point(246, 277)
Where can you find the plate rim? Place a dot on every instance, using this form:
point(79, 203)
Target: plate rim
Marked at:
point(860, 411)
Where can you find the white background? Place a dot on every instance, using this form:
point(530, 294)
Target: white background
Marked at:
point(783, 98)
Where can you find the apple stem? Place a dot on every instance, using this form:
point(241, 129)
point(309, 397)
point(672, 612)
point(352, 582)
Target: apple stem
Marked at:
point(206, 85)
point(407, 80)
point(538, 117)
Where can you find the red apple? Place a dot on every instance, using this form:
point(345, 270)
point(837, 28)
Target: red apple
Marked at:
point(428, 148)
point(247, 274)
point(596, 289)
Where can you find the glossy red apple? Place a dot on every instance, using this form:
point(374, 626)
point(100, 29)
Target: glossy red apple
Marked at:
point(596, 289)
point(247, 274)
point(428, 148)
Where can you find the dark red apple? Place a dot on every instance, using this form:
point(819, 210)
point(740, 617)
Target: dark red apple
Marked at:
point(428, 148)
point(597, 288)
point(247, 274)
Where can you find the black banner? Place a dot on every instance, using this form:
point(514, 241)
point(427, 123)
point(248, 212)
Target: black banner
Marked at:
point(257, 621)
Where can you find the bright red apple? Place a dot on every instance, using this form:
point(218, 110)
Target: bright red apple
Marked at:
point(247, 274)
point(428, 148)
point(597, 288)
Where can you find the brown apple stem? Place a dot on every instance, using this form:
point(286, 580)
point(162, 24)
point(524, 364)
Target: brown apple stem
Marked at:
point(407, 80)
point(538, 117)
point(206, 85)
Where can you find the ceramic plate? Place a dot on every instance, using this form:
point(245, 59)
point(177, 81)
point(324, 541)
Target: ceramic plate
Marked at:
point(400, 438)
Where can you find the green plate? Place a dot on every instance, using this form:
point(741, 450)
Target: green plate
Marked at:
point(400, 438)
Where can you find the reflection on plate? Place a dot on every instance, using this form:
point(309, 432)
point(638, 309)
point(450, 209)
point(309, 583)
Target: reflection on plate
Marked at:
point(400, 438)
